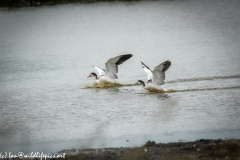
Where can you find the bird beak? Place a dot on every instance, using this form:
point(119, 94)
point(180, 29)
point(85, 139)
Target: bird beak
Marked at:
point(89, 76)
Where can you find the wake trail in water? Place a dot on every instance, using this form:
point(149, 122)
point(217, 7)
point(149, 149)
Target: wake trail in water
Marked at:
point(207, 89)
point(204, 78)
point(117, 84)
point(193, 79)
point(191, 90)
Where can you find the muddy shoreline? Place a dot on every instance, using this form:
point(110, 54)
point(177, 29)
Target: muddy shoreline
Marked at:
point(13, 4)
point(206, 149)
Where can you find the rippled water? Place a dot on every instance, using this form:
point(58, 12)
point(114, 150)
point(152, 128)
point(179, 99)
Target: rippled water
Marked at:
point(46, 54)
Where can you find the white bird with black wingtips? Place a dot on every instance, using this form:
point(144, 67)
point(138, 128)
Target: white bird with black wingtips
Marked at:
point(156, 78)
point(108, 74)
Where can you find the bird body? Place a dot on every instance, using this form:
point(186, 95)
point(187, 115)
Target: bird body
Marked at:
point(109, 74)
point(156, 78)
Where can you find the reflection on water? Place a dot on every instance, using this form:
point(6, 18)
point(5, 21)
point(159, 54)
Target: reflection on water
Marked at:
point(47, 52)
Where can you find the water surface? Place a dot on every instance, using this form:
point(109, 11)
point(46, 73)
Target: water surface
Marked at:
point(46, 54)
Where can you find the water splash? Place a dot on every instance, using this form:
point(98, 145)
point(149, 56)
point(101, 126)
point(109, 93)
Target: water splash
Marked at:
point(159, 91)
point(132, 84)
point(103, 85)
